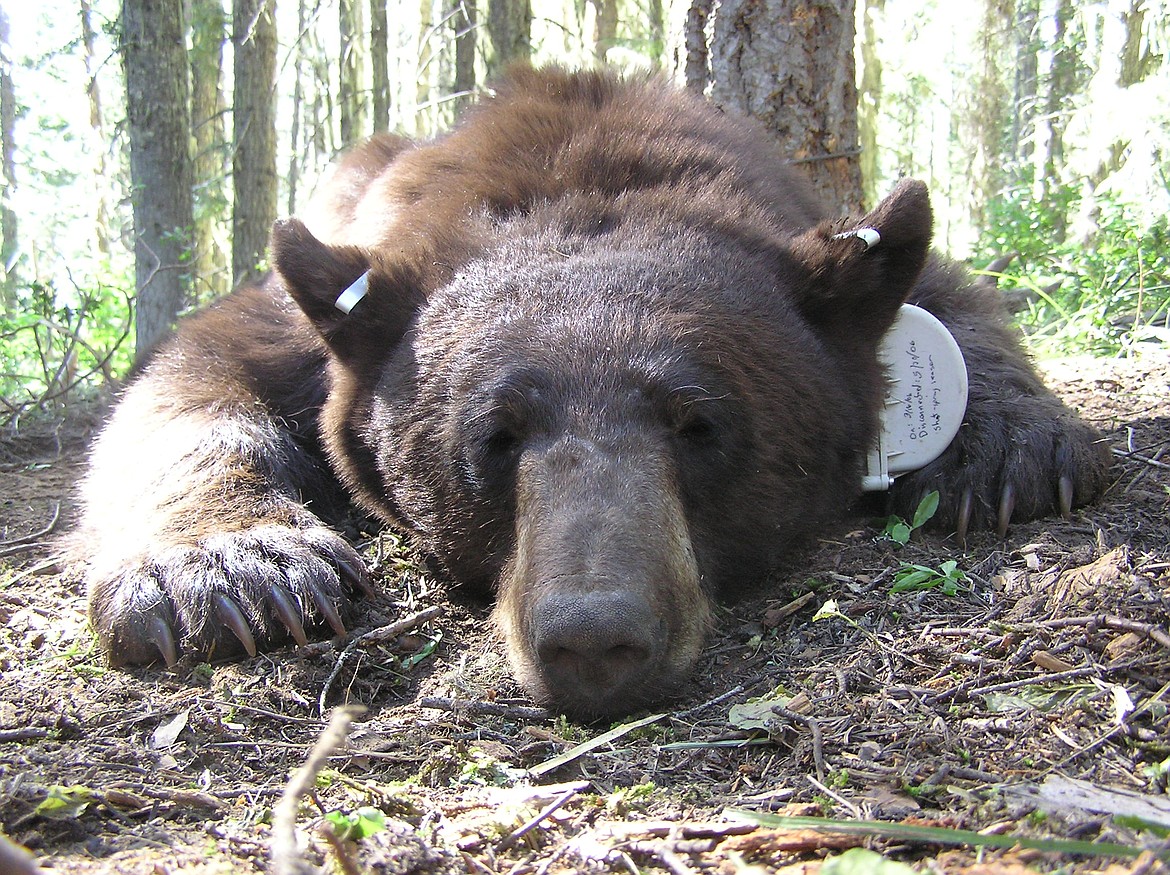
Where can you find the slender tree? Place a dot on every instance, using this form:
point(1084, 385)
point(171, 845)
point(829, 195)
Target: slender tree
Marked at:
point(208, 33)
point(509, 26)
point(9, 241)
point(463, 21)
point(869, 101)
point(605, 33)
point(253, 134)
point(379, 66)
point(789, 63)
point(101, 186)
point(351, 93)
point(155, 60)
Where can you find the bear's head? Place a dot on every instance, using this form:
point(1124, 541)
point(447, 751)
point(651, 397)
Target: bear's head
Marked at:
point(606, 422)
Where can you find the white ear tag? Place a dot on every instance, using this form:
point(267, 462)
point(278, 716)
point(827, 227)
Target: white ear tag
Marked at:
point(927, 397)
point(354, 293)
point(869, 236)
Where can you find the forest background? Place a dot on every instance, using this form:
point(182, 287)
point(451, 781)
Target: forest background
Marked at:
point(1042, 127)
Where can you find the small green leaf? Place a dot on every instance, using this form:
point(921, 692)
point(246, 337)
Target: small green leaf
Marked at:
point(65, 803)
point(897, 531)
point(363, 823)
point(926, 509)
point(859, 861)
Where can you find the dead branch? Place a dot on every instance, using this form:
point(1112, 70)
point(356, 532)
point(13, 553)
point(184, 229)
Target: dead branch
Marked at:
point(285, 854)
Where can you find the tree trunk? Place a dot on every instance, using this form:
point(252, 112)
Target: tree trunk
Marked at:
point(987, 122)
point(510, 28)
point(351, 97)
point(155, 59)
point(253, 134)
point(605, 33)
point(789, 64)
point(9, 241)
point(380, 62)
point(463, 21)
point(101, 187)
point(208, 32)
point(697, 63)
point(870, 101)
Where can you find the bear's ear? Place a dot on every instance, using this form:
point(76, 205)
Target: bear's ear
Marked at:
point(359, 308)
point(854, 281)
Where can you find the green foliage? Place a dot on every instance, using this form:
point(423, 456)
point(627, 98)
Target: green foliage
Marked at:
point(918, 578)
point(1094, 277)
point(357, 825)
point(65, 803)
point(53, 345)
point(899, 531)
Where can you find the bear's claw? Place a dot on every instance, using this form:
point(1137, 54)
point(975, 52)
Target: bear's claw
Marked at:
point(233, 592)
point(1007, 504)
point(288, 613)
point(1065, 491)
point(229, 613)
point(158, 633)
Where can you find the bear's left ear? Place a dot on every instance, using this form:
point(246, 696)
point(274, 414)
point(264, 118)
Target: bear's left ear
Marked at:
point(361, 310)
point(854, 281)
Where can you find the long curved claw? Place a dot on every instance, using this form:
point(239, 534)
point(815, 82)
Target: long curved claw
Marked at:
point(230, 615)
point(356, 577)
point(966, 504)
point(328, 610)
point(158, 633)
point(289, 614)
point(1065, 491)
point(1007, 504)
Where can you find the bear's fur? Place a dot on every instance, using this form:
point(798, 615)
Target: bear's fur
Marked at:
point(612, 360)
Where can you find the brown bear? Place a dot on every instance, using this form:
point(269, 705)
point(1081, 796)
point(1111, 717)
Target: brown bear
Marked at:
point(597, 349)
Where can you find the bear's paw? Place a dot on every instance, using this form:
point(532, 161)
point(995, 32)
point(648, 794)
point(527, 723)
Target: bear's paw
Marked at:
point(229, 593)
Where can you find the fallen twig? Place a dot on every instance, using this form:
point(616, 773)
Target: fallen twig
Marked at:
point(480, 708)
point(373, 636)
point(534, 822)
point(27, 540)
point(286, 856)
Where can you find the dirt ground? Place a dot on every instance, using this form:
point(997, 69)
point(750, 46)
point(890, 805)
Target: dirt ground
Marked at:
point(1031, 703)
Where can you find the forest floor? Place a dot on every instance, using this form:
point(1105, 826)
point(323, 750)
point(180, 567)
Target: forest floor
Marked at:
point(1033, 703)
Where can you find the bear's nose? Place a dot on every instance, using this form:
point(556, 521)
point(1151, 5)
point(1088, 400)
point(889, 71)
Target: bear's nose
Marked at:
point(593, 643)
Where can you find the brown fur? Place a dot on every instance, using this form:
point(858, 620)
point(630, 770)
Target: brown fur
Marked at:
point(612, 360)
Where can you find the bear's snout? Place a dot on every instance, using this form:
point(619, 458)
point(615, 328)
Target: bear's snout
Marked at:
point(596, 641)
point(601, 604)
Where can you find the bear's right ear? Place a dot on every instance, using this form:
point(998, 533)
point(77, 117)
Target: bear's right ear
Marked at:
point(359, 308)
point(851, 284)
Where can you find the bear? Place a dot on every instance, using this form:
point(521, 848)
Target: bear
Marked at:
point(597, 349)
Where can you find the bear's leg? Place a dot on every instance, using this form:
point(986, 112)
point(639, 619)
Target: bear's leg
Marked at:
point(1020, 453)
point(199, 532)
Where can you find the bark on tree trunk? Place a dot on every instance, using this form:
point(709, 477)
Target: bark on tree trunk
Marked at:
point(351, 100)
point(155, 60)
point(463, 21)
point(101, 186)
point(253, 135)
point(208, 32)
point(789, 64)
point(510, 28)
point(380, 64)
point(9, 241)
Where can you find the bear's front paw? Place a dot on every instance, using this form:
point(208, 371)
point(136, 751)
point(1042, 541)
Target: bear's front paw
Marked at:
point(1018, 458)
point(226, 594)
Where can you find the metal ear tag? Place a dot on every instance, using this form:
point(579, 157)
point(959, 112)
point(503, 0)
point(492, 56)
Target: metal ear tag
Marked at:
point(354, 293)
point(869, 236)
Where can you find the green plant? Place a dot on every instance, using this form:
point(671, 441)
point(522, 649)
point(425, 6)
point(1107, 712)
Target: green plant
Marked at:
point(899, 531)
point(360, 824)
point(918, 578)
point(1101, 289)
